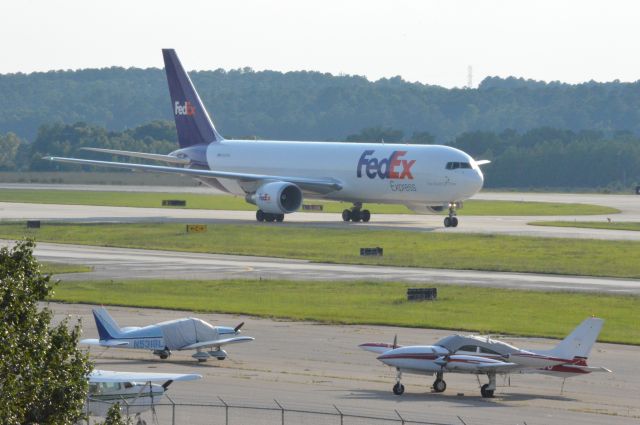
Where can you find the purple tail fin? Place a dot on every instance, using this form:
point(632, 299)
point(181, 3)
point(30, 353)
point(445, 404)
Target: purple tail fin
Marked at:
point(192, 121)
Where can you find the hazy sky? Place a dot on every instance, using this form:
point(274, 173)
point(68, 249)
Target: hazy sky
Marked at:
point(428, 41)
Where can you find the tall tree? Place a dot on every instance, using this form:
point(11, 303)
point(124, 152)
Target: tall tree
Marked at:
point(43, 373)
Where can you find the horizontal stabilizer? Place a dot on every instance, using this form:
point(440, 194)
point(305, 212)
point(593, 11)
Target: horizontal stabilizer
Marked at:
point(111, 376)
point(105, 343)
point(218, 342)
point(152, 156)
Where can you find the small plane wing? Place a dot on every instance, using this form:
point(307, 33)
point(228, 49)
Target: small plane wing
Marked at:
point(153, 156)
point(483, 162)
point(317, 185)
point(476, 364)
point(105, 342)
point(111, 376)
point(377, 347)
point(217, 342)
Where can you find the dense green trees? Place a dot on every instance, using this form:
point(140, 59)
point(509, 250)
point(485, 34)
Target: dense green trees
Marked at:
point(43, 373)
point(312, 105)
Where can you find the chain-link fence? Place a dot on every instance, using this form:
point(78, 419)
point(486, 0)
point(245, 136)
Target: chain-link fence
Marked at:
point(223, 412)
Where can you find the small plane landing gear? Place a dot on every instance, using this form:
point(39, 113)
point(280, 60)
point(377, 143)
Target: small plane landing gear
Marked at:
point(356, 214)
point(163, 354)
point(439, 386)
point(398, 388)
point(451, 220)
point(487, 389)
point(268, 217)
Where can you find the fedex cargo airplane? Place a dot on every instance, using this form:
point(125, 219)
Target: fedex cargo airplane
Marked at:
point(276, 175)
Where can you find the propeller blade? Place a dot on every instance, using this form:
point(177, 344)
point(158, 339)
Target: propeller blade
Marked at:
point(166, 384)
point(395, 341)
point(237, 328)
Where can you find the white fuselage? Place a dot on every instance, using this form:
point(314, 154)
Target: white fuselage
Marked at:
point(367, 172)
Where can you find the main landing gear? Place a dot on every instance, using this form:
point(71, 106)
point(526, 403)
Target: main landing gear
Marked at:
point(487, 389)
point(356, 214)
point(163, 354)
point(451, 220)
point(439, 386)
point(398, 388)
point(268, 217)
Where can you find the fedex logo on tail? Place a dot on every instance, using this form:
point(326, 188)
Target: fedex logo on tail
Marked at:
point(186, 108)
point(393, 167)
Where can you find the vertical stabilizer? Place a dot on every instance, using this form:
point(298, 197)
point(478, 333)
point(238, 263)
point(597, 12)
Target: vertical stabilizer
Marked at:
point(580, 341)
point(107, 327)
point(192, 121)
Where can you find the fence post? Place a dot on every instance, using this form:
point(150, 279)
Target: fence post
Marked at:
point(226, 411)
point(398, 413)
point(463, 422)
point(341, 415)
point(173, 410)
point(281, 409)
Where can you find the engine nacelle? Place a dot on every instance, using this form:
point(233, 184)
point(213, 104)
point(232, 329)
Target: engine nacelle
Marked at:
point(278, 198)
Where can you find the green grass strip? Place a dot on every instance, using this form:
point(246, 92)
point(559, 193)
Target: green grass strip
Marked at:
point(224, 202)
point(614, 225)
point(486, 310)
point(401, 248)
point(61, 268)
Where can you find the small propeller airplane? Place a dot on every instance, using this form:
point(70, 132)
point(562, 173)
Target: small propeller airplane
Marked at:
point(181, 334)
point(135, 391)
point(482, 355)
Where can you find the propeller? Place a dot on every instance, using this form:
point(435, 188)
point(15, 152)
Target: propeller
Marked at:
point(237, 328)
point(395, 342)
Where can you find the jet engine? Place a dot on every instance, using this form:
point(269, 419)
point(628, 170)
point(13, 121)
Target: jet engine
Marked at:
point(278, 198)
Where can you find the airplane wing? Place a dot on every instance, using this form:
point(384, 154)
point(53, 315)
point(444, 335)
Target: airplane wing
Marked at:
point(152, 156)
point(476, 364)
point(111, 376)
point(217, 342)
point(105, 343)
point(317, 185)
point(483, 161)
point(377, 347)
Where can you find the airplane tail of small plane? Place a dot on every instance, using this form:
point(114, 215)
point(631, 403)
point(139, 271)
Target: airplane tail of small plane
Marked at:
point(193, 124)
point(107, 327)
point(579, 342)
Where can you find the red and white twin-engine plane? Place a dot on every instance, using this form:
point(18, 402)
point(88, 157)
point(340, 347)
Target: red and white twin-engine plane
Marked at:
point(482, 355)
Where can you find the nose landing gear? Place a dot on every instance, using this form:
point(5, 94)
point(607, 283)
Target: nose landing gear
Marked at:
point(398, 388)
point(356, 214)
point(451, 220)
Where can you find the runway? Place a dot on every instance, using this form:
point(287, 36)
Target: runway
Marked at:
point(119, 263)
point(312, 366)
point(505, 225)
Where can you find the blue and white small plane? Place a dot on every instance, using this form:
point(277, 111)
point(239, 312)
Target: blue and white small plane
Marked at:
point(181, 334)
point(276, 175)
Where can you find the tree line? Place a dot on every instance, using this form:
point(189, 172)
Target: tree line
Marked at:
point(539, 158)
point(312, 105)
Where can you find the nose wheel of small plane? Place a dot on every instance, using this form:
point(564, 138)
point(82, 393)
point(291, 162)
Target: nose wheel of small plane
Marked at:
point(398, 388)
point(356, 214)
point(268, 217)
point(485, 392)
point(439, 386)
point(451, 220)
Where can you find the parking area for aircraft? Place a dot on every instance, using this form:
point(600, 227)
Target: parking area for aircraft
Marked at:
point(309, 365)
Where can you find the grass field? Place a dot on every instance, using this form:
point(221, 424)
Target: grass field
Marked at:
point(60, 268)
point(401, 248)
point(483, 310)
point(223, 202)
point(619, 225)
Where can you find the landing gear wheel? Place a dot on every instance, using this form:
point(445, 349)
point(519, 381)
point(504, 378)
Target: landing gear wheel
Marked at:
point(355, 216)
point(280, 218)
point(269, 217)
point(220, 358)
point(260, 215)
point(365, 215)
point(398, 388)
point(454, 221)
point(439, 386)
point(202, 360)
point(346, 215)
point(164, 356)
point(485, 392)
point(447, 222)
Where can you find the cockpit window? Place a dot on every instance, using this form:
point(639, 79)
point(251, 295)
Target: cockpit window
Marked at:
point(488, 351)
point(456, 165)
point(468, 348)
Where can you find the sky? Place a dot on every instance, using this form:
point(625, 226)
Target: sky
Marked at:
point(432, 42)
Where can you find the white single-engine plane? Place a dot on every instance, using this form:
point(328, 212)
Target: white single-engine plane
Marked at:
point(481, 355)
point(135, 391)
point(181, 334)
